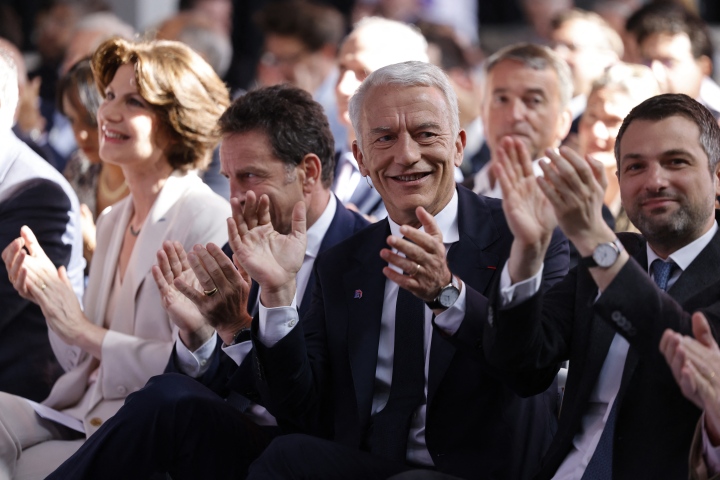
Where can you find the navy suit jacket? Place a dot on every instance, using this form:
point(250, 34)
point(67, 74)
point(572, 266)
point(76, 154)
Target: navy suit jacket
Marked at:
point(321, 376)
point(223, 375)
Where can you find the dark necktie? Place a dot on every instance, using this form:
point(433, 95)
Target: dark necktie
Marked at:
point(600, 466)
point(391, 425)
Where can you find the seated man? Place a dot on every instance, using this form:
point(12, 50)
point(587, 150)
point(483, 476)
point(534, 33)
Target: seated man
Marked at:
point(32, 193)
point(368, 366)
point(276, 144)
point(623, 416)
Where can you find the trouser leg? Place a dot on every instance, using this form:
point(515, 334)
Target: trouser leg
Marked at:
point(304, 457)
point(175, 425)
point(21, 428)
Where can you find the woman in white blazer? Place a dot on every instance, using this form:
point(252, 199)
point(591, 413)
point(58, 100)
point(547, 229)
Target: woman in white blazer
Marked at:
point(157, 121)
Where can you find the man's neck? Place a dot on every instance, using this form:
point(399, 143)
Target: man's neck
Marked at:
point(664, 249)
point(316, 204)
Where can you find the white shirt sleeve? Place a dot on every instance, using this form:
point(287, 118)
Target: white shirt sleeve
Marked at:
point(710, 453)
point(277, 322)
point(194, 364)
point(238, 352)
point(515, 294)
point(451, 319)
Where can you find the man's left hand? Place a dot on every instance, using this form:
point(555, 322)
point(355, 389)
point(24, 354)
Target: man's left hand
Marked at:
point(425, 261)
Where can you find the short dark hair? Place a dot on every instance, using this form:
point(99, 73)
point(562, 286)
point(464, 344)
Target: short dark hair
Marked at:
point(668, 105)
point(671, 18)
point(294, 123)
point(314, 25)
point(79, 85)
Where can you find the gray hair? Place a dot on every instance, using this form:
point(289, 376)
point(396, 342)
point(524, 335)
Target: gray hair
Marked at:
point(211, 45)
point(109, 24)
point(637, 81)
point(400, 41)
point(8, 90)
point(537, 57)
point(406, 74)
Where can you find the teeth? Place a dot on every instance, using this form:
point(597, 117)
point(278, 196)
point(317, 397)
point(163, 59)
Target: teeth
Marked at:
point(409, 178)
point(113, 135)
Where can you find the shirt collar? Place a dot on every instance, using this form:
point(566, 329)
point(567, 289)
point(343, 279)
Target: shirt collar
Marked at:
point(316, 233)
point(447, 221)
point(685, 256)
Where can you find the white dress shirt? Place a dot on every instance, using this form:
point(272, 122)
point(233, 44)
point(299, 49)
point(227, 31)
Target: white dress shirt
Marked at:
point(275, 323)
point(348, 177)
point(482, 185)
point(606, 389)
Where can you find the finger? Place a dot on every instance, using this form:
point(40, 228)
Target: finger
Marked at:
point(164, 266)
point(241, 270)
point(238, 218)
point(233, 235)
point(702, 384)
point(503, 157)
point(212, 268)
point(250, 210)
point(298, 219)
point(566, 179)
point(598, 170)
point(62, 273)
point(173, 260)
point(226, 266)
point(31, 242)
point(502, 177)
point(429, 224)
point(549, 190)
point(182, 256)
point(702, 332)
point(665, 342)
point(512, 156)
point(199, 269)
point(580, 165)
point(688, 382)
point(198, 298)
point(17, 264)
point(407, 265)
point(263, 210)
point(159, 278)
point(417, 253)
point(526, 160)
point(403, 281)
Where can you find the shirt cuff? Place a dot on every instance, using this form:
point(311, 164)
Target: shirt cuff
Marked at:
point(512, 295)
point(277, 322)
point(238, 352)
point(450, 320)
point(194, 364)
point(710, 453)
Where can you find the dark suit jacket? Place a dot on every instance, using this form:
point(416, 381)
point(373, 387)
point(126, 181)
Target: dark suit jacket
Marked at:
point(223, 375)
point(321, 375)
point(28, 366)
point(655, 423)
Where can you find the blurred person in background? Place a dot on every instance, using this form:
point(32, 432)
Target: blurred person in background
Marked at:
point(32, 193)
point(589, 46)
point(220, 12)
point(677, 46)
point(613, 95)
point(161, 104)
point(97, 184)
point(364, 51)
point(90, 32)
point(540, 14)
point(301, 45)
point(616, 14)
point(199, 32)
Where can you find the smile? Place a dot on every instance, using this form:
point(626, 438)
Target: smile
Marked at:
point(114, 135)
point(410, 178)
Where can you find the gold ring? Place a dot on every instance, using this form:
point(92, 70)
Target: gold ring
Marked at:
point(43, 287)
point(12, 280)
point(210, 293)
point(416, 270)
point(712, 374)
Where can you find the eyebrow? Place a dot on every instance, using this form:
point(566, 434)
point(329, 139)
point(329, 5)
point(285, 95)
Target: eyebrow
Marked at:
point(666, 153)
point(428, 125)
point(525, 92)
point(379, 130)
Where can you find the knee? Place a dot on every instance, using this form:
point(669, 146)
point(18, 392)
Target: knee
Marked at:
point(163, 393)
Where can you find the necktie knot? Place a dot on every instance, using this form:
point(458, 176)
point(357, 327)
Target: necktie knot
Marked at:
point(662, 271)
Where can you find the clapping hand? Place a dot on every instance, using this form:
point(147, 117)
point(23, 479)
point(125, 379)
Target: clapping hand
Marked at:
point(271, 259)
point(695, 364)
point(529, 214)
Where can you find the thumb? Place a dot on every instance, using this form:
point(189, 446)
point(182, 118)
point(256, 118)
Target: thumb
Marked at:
point(701, 330)
point(31, 242)
point(598, 170)
point(299, 225)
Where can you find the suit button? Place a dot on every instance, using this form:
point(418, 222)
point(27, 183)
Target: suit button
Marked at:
point(121, 390)
point(291, 323)
point(95, 422)
point(616, 316)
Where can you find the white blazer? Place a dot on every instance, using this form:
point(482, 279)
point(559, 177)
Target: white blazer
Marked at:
point(141, 336)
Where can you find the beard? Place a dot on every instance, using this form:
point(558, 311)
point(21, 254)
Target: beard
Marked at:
point(677, 228)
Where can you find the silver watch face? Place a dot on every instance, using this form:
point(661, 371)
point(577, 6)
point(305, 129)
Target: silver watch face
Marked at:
point(605, 254)
point(448, 296)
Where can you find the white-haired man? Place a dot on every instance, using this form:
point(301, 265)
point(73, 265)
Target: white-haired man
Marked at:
point(364, 51)
point(369, 365)
point(32, 193)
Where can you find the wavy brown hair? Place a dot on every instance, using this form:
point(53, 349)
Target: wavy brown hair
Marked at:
point(181, 87)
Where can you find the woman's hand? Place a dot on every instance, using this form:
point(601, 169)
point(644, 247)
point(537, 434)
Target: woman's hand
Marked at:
point(89, 232)
point(37, 279)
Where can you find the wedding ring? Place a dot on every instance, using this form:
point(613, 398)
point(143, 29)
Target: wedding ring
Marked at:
point(43, 287)
point(210, 293)
point(416, 270)
point(712, 374)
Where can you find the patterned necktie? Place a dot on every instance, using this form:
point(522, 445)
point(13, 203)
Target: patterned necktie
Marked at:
point(600, 466)
point(391, 425)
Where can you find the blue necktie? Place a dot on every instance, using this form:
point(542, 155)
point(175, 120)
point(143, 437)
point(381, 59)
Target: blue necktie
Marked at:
point(600, 466)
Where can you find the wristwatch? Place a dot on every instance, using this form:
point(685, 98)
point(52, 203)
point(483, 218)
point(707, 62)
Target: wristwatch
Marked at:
point(243, 335)
point(605, 255)
point(448, 295)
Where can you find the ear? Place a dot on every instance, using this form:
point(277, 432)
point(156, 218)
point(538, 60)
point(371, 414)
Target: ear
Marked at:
point(460, 147)
point(716, 179)
point(460, 78)
point(705, 64)
point(312, 168)
point(360, 159)
point(563, 125)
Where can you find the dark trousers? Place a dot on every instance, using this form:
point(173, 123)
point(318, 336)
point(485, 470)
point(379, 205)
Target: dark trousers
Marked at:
point(304, 457)
point(173, 425)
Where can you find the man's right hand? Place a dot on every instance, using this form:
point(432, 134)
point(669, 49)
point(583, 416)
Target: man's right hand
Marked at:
point(273, 260)
point(529, 214)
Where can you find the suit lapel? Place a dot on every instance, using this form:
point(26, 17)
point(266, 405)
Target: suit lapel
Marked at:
point(702, 272)
point(364, 290)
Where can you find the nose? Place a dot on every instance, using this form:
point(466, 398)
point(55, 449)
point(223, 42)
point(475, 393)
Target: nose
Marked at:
point(518, 109)
point(236, 191)
point(108, 112)
point(600, 131)
point(408, 151)
point(656, 179)
point(660, 72)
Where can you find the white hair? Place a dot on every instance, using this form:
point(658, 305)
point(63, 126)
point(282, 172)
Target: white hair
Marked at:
point(637, 81)
point(213, 46)
point(396, 41)
point(8, 90)
point(108, 23)
point(406, 74)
